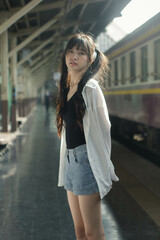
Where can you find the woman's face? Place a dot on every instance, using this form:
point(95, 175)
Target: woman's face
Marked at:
point(77, 60)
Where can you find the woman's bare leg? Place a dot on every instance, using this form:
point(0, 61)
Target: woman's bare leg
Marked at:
point(90, 208)
point(76, 215)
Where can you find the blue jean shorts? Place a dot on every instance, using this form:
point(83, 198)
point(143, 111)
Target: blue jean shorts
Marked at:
point(79, 177)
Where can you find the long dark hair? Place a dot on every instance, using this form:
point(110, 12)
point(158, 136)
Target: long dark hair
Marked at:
point(97, 69)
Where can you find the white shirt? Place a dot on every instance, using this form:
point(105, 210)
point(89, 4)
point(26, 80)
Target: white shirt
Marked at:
point(96, 126)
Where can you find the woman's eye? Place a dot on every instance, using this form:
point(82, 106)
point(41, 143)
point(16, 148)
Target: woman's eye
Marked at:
point(82, 53)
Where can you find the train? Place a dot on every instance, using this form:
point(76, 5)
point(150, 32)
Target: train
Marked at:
point(132, 89)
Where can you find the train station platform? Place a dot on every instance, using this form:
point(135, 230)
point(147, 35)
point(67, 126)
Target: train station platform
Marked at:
point(32, 207)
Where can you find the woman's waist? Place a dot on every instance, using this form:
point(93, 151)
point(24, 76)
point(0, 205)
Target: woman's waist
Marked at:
point(79, 149)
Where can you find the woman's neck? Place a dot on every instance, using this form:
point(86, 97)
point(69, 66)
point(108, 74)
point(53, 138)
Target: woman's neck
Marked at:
point(75, 77)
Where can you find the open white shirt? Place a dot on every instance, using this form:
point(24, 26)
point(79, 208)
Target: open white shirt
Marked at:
point(96, 126)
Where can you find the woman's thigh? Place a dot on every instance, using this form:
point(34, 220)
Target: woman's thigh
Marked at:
point(90, 207)
point(76, 213)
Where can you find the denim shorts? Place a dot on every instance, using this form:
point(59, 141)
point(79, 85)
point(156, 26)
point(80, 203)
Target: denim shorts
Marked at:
point(79, 177)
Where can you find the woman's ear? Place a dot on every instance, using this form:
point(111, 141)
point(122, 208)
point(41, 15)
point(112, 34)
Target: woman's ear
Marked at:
point(93, 58)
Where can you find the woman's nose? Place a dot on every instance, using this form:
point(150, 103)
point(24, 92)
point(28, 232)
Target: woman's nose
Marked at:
point(75, 56)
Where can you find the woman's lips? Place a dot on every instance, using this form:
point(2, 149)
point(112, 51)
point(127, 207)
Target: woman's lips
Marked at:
point(73, 63)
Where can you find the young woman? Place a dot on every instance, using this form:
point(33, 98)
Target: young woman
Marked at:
point(85, 170)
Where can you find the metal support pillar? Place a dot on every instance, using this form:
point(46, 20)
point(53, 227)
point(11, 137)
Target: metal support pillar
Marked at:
point(14, 83)
point(4, 85)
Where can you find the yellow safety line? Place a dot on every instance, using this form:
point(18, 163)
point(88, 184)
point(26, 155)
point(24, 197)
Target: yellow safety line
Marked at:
point(134, 91)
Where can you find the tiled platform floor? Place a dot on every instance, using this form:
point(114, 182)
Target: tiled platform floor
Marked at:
point(32, 207)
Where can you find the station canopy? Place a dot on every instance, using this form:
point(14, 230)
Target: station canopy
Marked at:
point(44, 26)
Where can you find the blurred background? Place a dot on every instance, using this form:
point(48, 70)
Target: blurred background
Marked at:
point(33, 35)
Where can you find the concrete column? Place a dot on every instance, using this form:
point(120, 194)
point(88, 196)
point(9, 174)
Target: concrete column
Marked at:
point(21, 94)
point(4, 73)
point(25, 93)
point(14, 83)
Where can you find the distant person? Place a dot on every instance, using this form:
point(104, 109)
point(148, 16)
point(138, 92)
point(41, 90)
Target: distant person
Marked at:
point(47, 100)
point(85, 170)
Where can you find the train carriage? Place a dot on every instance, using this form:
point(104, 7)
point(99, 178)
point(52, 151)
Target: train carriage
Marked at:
point(133, 91)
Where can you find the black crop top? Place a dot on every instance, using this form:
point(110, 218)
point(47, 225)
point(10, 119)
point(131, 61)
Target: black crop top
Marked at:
point(74, 136)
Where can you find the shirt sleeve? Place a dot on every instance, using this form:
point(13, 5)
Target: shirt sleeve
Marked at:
point(97, 132)
point(101, 115)
point(103, 123)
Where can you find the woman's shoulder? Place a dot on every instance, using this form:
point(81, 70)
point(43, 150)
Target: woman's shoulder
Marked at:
point(92, 83)
point(92, 87)
point(93, 94)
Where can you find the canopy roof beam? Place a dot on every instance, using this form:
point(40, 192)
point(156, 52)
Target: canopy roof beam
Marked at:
point(42, 62)
point(35, 51)
point(4, 26)
point(50, 6)
point(42, 55)
point(34, 35)
point(102, 12)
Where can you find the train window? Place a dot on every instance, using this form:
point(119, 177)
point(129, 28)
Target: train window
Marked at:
point(116, 72)
point(123, 70)
point(144, 64)
point(132, 67)
point(157, 59)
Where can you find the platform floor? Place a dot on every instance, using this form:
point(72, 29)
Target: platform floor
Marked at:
point(32, 207)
